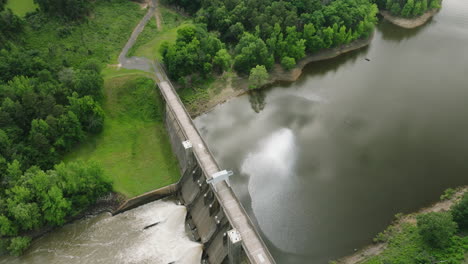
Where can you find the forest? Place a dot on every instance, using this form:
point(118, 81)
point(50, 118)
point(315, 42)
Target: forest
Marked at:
point(408, 8)
point(247, 33)
point(48, 104)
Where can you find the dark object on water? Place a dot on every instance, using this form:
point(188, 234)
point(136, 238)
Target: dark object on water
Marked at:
point(146, 227)
point(172, 262)
point(367, 59)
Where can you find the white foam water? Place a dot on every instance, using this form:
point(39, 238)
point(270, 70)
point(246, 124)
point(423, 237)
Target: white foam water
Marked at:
point(121, 239)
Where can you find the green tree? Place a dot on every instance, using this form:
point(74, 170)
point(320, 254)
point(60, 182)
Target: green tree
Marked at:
point(288, 63)
point(460, 212)
point(408, 9)
point(395, 9)
point(7, 228)
point(18, 245)
point(251, 51)
point(55, 207)
point(222, 60)
point(258, 76)
point(436, 228)
point(417, 10)
point(71, 9)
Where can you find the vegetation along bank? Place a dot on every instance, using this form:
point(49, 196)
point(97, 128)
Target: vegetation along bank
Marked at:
point(408, 13)
point(59, 98)
point(436, 234)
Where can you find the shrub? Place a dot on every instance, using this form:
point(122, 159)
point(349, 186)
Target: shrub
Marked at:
point(436, 229)
point(18, 245)
point(460, 212)
point(288, 63)
point(448, 194)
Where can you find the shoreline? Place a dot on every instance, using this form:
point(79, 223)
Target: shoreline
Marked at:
point(377, 248)
point(409, 23)
point(278, 74)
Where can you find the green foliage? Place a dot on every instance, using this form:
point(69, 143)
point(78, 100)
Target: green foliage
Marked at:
point(222, 60)
point(10, 26)
point(251, 51)
point(133, 149)
point(288, 63)
point(71, 9)
point(258, 76)
point(408, 8)
point(38, 198)
point(265, 32)
point(448, 194)
point(436, 229)
point(100, 37)
point(193, 52)
point(405, 245)
point(45, 108)
point(18, 245)
point(20, 7)
point(460, 212)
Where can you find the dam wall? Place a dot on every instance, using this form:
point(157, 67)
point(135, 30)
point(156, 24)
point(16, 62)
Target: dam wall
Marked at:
point(215, 216)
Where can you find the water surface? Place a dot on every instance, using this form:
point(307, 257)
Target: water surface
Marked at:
point(324, 163)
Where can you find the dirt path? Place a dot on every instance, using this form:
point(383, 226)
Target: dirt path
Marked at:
point(137, 62)
point(157, 15)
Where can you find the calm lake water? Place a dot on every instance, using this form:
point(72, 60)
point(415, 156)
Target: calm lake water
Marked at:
point(324, 163)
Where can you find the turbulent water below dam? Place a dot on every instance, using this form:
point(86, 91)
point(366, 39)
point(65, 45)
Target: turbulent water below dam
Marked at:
point(120, 239)
point(323, 164)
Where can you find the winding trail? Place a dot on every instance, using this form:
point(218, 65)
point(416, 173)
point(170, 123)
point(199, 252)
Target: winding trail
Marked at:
point(252, 243)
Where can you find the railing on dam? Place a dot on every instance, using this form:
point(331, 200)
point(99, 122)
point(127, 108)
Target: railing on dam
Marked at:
point(251, 242)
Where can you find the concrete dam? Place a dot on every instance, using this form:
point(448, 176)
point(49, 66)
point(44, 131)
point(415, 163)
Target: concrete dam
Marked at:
point(215, 216)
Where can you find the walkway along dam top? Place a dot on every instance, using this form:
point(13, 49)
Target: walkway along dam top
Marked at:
point(255, 248)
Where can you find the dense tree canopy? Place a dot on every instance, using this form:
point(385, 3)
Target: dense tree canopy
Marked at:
point(460, 212)
point(408, 8)
point(437, 228)
point(33, 198)
point(71, 9)
point(195, 51)
point(44, 108)
point(268, 31)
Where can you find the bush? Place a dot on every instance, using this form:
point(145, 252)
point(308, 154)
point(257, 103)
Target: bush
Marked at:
point(288, 63)
point(18, 245)
point(460, 212)
point(448, 194)
point(437, 229)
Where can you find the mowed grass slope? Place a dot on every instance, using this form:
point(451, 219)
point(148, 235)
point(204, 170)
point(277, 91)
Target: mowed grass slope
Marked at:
point(21, 7)
point(134, 147)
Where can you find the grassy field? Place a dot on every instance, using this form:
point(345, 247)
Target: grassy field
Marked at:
point(134, 147)
point(151, 38)
point(100, 37)
point(21, 7)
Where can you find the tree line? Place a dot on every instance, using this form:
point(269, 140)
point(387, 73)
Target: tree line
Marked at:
point(408, 8)
point(47, 106)
point(248, 33)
